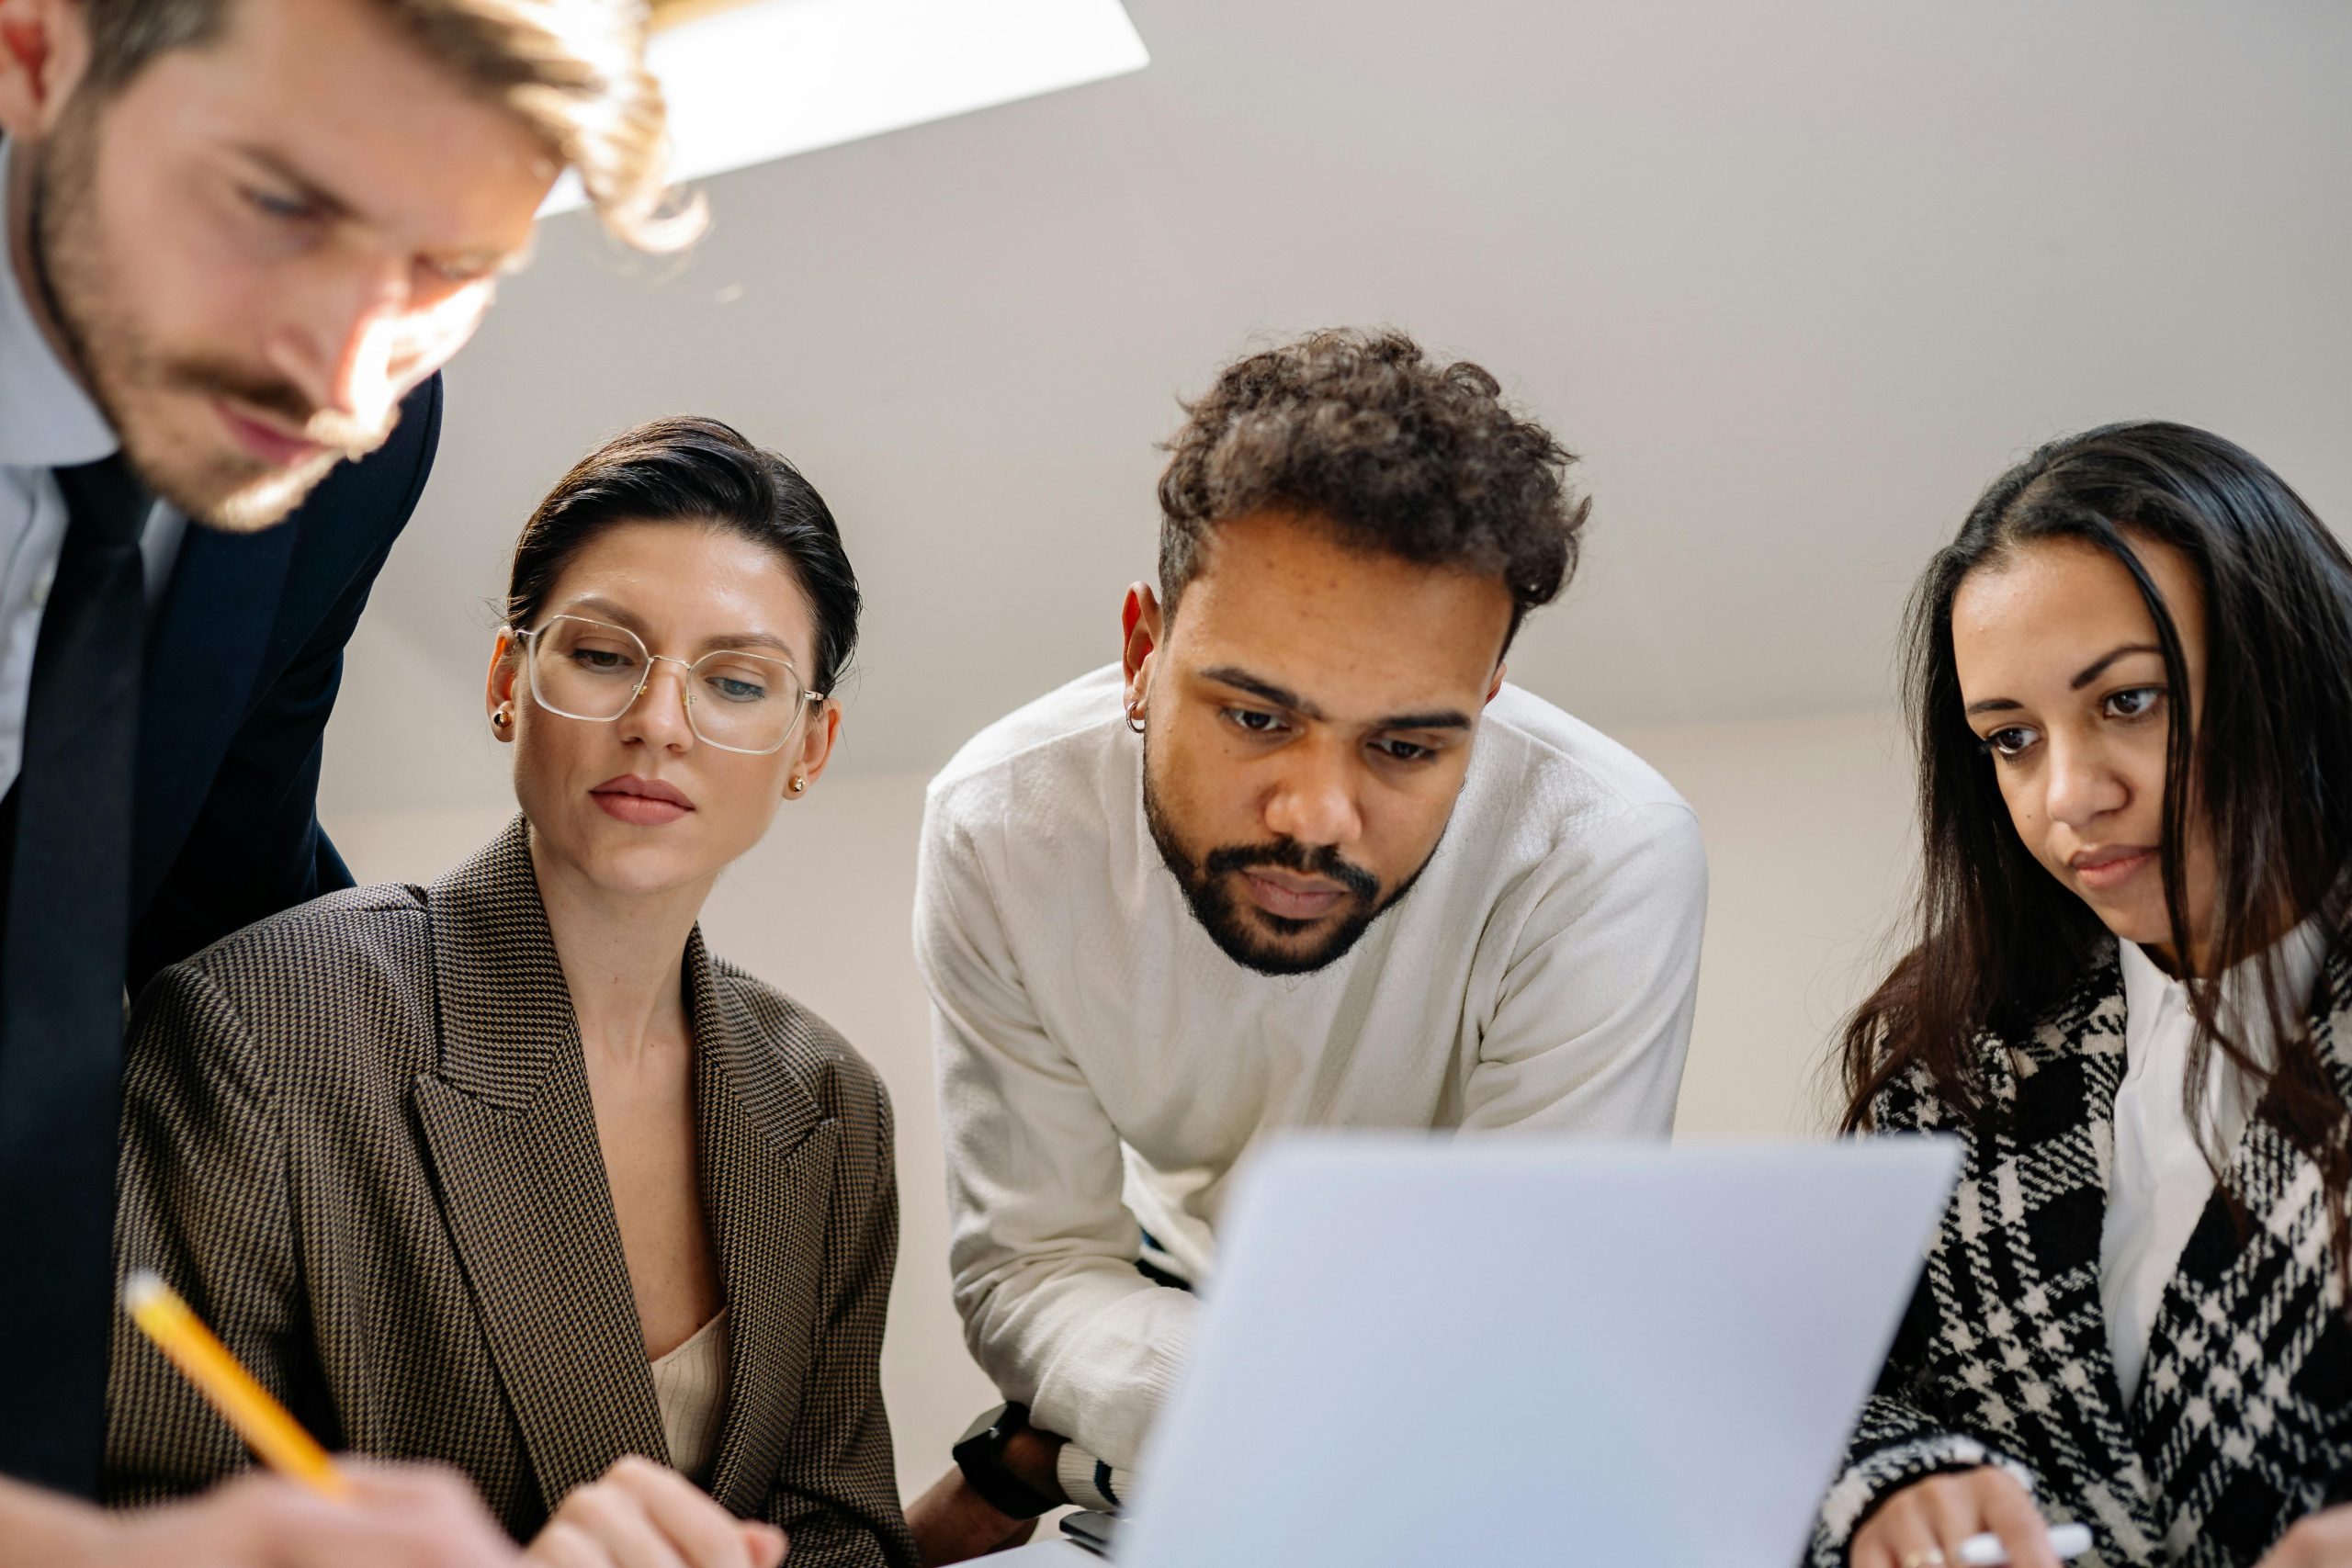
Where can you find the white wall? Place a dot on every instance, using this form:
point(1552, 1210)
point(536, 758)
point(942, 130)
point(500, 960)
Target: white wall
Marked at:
point(1806, 836)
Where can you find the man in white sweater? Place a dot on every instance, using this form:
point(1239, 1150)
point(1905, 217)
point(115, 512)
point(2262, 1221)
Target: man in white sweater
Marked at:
point(1302, 859)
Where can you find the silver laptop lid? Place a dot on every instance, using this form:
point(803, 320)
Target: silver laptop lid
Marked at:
point(1423, 1354)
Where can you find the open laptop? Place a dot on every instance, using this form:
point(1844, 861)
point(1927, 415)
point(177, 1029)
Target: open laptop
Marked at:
point(1422, 1354)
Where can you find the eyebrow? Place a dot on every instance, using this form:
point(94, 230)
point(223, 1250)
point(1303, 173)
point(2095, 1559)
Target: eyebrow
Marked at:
point(1241, 680)
point(2089, 672)
point(310, 190)
point(492, 259)
point(620, 616)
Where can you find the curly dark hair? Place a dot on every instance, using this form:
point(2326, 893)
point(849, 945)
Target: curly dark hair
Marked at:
point(1401, 455)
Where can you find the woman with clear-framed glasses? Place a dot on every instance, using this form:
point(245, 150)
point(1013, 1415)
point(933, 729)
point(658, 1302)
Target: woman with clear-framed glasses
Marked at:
point(509, 1171)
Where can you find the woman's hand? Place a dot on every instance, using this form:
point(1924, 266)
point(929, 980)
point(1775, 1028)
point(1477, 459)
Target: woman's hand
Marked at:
point(1923, 1525)
point(642, 1514)
point(2318, 1540)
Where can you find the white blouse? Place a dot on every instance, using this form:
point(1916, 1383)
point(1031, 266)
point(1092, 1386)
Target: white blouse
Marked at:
point(690, 1385)
point(2159, 1183)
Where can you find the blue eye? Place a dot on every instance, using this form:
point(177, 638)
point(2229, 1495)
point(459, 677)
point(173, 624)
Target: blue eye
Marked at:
point(602, 661)
point(285, 208)
point(736, 691)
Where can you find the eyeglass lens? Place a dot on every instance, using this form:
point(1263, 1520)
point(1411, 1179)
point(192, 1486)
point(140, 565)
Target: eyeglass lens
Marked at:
point(739, 702)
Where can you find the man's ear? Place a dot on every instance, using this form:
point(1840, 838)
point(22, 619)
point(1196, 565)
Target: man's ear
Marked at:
point(1141, 626)
point(1497, 683)
point(44, 55)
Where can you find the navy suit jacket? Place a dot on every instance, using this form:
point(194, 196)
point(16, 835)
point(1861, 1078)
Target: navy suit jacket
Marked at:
point(243, 663)
point(243, 667)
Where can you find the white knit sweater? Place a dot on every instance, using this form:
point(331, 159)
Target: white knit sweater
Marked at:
point(1103, 1065)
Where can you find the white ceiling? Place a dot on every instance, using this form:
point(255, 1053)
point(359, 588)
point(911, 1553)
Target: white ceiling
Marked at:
point(1795, 279)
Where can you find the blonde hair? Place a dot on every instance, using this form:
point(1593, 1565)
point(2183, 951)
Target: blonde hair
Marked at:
point(572, 70)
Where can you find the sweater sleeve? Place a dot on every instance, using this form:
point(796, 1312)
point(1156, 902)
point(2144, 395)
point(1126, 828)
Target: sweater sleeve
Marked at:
point(1043, 1248)
point(1899, 1440)
point(1591, 1020)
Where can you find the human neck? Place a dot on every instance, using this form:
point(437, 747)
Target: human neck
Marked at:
point(621, 954)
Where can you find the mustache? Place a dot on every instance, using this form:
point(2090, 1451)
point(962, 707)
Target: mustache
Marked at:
point(1289, 854)
point(275, 395)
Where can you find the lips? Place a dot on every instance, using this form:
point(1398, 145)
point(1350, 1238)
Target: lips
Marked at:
point(1292, 897)
point(644, 803)
point(266, 442)
point(2109, 867)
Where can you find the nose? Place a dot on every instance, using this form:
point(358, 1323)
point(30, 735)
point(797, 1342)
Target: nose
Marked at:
point(341, 347)
point(658, 718)
point(2084, 784)
point(1314, 802)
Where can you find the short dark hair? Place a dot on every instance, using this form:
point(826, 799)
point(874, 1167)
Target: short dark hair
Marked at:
point(691, 470)
point(574, 72)
point(1402, 456)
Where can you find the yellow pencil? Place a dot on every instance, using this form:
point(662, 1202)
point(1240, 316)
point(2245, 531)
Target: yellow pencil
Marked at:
point(273, 1434)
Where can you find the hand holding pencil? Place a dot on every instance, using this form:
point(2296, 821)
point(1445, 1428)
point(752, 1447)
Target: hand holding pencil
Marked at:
point(314, 1513)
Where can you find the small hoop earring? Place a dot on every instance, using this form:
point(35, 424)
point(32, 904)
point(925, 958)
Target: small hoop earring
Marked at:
point(1135, 717)
point(799, 784)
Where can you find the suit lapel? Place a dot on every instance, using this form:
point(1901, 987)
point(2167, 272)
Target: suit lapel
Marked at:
point(202, 660)
point(767, 1156)
point(512, 1135)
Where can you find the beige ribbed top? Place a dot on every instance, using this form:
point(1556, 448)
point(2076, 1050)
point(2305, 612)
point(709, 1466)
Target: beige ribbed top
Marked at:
point(690, 1385)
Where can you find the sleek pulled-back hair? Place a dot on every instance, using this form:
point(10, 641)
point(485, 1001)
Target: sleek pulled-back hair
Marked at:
point(2265, 762)
point(1398, 454)
point(690, 470)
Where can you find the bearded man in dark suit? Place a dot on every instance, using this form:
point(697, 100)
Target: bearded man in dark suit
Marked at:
point(243, 236)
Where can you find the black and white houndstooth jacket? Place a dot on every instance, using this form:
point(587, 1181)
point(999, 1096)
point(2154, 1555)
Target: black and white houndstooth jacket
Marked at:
point(2243, 1421)
point(358, 1138)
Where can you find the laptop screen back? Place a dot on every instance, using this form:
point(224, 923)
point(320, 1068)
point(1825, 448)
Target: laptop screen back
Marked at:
point(1423, 1354)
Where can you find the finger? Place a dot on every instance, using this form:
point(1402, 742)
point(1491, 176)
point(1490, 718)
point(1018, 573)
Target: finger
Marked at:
point(2010, 1513)
point(703, 1534)
point(431, 1513)
point(764, 1543)
point(1953, 1512)
point(1910, 1539)
point(616, 1522)
point(1873, 1544)
point(562, 1544)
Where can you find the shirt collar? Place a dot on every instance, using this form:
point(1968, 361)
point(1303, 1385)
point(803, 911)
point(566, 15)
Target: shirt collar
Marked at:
point(2298, 955)
point(47, 421)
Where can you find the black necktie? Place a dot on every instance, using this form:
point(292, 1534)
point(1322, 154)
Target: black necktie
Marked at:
point(62, 963)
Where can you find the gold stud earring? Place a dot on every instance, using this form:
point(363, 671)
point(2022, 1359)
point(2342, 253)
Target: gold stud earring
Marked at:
point(502, 718)
point(798, 784)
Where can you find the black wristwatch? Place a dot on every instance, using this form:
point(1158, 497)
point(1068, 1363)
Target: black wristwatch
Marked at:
point(979, 1454)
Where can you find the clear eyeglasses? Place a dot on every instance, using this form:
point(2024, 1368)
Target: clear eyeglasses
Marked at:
point(735, 701)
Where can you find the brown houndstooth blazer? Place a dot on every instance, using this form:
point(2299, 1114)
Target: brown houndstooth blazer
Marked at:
point(358, 1138)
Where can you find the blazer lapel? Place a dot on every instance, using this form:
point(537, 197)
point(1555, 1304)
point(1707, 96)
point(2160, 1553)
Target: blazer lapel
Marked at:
point(207, 648)
point(513, 1134)
point(2036, 1205)
point(2240, 1254)
point(767, 1160)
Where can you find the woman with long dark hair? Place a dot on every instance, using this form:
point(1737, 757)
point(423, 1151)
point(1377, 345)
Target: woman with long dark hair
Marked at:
point(2130, 995)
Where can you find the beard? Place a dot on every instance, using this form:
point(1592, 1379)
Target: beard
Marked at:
point(134, 380)
point(1237, 929)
